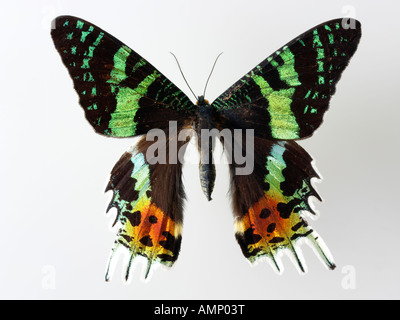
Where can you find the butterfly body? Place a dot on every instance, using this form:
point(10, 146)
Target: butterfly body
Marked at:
point(204, 125)
point(281, 100)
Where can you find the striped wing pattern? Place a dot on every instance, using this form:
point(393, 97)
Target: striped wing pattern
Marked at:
point(287, 94)
point(119, 91)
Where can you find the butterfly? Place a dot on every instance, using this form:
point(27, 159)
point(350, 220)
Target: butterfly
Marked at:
point(283, 99)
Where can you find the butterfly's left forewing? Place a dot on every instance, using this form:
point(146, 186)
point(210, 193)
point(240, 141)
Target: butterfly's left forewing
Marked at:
point(121, 93)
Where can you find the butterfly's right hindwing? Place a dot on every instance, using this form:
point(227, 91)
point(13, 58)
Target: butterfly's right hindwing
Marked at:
point(270, 203)
point(121, 93)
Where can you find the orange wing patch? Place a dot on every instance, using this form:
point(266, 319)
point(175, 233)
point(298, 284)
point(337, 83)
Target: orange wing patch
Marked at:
point(272, 224)
point(151, 233)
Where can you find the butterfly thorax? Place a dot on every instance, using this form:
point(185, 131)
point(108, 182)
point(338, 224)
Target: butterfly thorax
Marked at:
point(204, 115)
point(201, 101)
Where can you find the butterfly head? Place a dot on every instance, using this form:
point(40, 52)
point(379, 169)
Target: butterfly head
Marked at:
point(201, 101)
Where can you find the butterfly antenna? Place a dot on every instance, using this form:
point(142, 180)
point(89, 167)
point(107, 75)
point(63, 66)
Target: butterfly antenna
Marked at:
point(215, 62)
point(183, 75)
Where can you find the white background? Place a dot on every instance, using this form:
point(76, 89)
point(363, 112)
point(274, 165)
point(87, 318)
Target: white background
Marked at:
point(55, 237)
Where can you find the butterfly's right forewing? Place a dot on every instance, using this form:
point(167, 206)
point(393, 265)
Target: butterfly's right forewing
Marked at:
point(287, 94)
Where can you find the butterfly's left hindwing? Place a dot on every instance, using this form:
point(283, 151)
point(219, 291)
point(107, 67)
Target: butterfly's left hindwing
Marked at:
point(286, 95)
point(149, 200)
point(119, 91)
